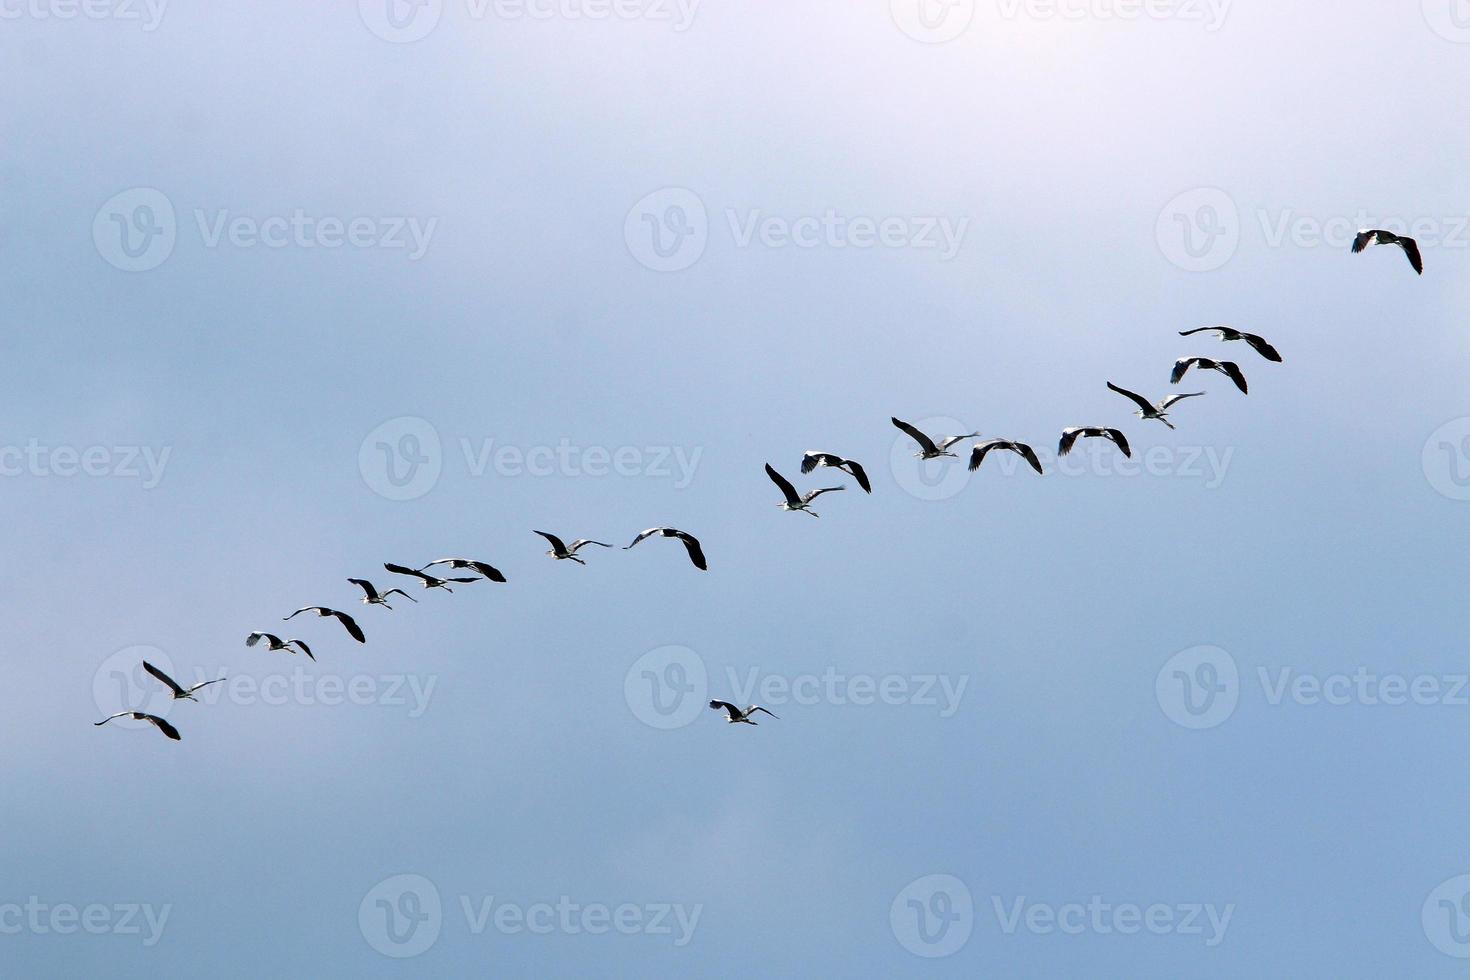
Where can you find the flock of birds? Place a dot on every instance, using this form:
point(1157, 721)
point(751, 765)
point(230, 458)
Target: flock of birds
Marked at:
point(794, 501)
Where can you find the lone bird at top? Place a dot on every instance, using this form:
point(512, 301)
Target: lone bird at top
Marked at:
point(978, 454)
point(691, 543)
point(737, 716)
point(1257, 342)
point(564, 552)
point(811, 460)
point(1147, 410)
point(928, 448)
point(1377, 236)
point(1230, 369)
point(797, 501)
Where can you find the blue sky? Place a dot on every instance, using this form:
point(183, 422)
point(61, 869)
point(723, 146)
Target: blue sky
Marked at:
point(293, 292)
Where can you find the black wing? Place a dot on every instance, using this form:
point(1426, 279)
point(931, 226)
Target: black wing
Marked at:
point(1118, 437)
point(366, 586)
point(166, 680)
point(1181, 367)
point(924, 441)
point(350, 624)
point(1136, 398)
point(159, 723)
point(1233, 371)
point(401, 570)
point(556, 542)
point(696, 554)
point(727, 706)
point(858, 474)
point(786, 488)
point(977, 454)
point(1411, 249)
point(1028, 454)
point(1260, 346)
point(1364, 239)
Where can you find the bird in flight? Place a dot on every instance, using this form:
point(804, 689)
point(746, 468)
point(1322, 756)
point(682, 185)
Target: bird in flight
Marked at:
point(1230, 369)
point(1070, 437)
point(928, 448)
point(274, 642)
point(1377, 236)
point(487, 571)
point(691, 543)
point(156, 721)
point(179, 693)
point(1257, 342)
point(372, 597)
point(1147, 410)
point(977, 454)
point(348, 623)
point(811, 460)
point(563, 552)
point(738, 717)
point(797, 501)
point(430, 581)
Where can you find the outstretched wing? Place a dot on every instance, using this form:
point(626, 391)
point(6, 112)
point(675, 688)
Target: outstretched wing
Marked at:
point(977, 454)
point(696, 553)
point(163, 678)
point(787, 490)
point(1182, 366)
point(951, 440)
point(304, 648)
point(924, 441)
point(734, 712)
point(402, 570)
point(581, 543)
point(1028, 454)
point(1411, 249)
point(399, 592)
point(814, 494)
point(755, 707)
point(160, 724)
point(556, 542)
point(812, 459)
point(1069, 439)
point(1232, 370)
point(645, 535)
point(1172, 399)
point(859, 474)
point(204, 684)
point(1260, 346)
point(366, 586)
point(1118, 437)
point(1134, 396)
point(1364, 239)
point(350, 624)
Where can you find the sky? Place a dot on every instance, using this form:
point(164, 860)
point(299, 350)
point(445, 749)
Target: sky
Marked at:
point(291, 290)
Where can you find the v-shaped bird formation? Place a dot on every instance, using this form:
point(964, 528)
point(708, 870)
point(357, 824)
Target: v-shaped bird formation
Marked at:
point(793, 501)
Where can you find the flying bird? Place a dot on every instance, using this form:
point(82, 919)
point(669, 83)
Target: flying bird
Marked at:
point(563, 552)
point(795, 501)
point(811, 460)
point(738, 717)
point(372, 597)
point(348, 623)
point(487, 571)
point(691, 543)
point(430, 581)
point(1230, 369)
point(977, 454)
point(1377, 236)
point(158, 722)
point(928, 448)
point(1257, 342)
point(1070, 437)
point(179, 693)
point(1147, 410)
point(274, 642)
